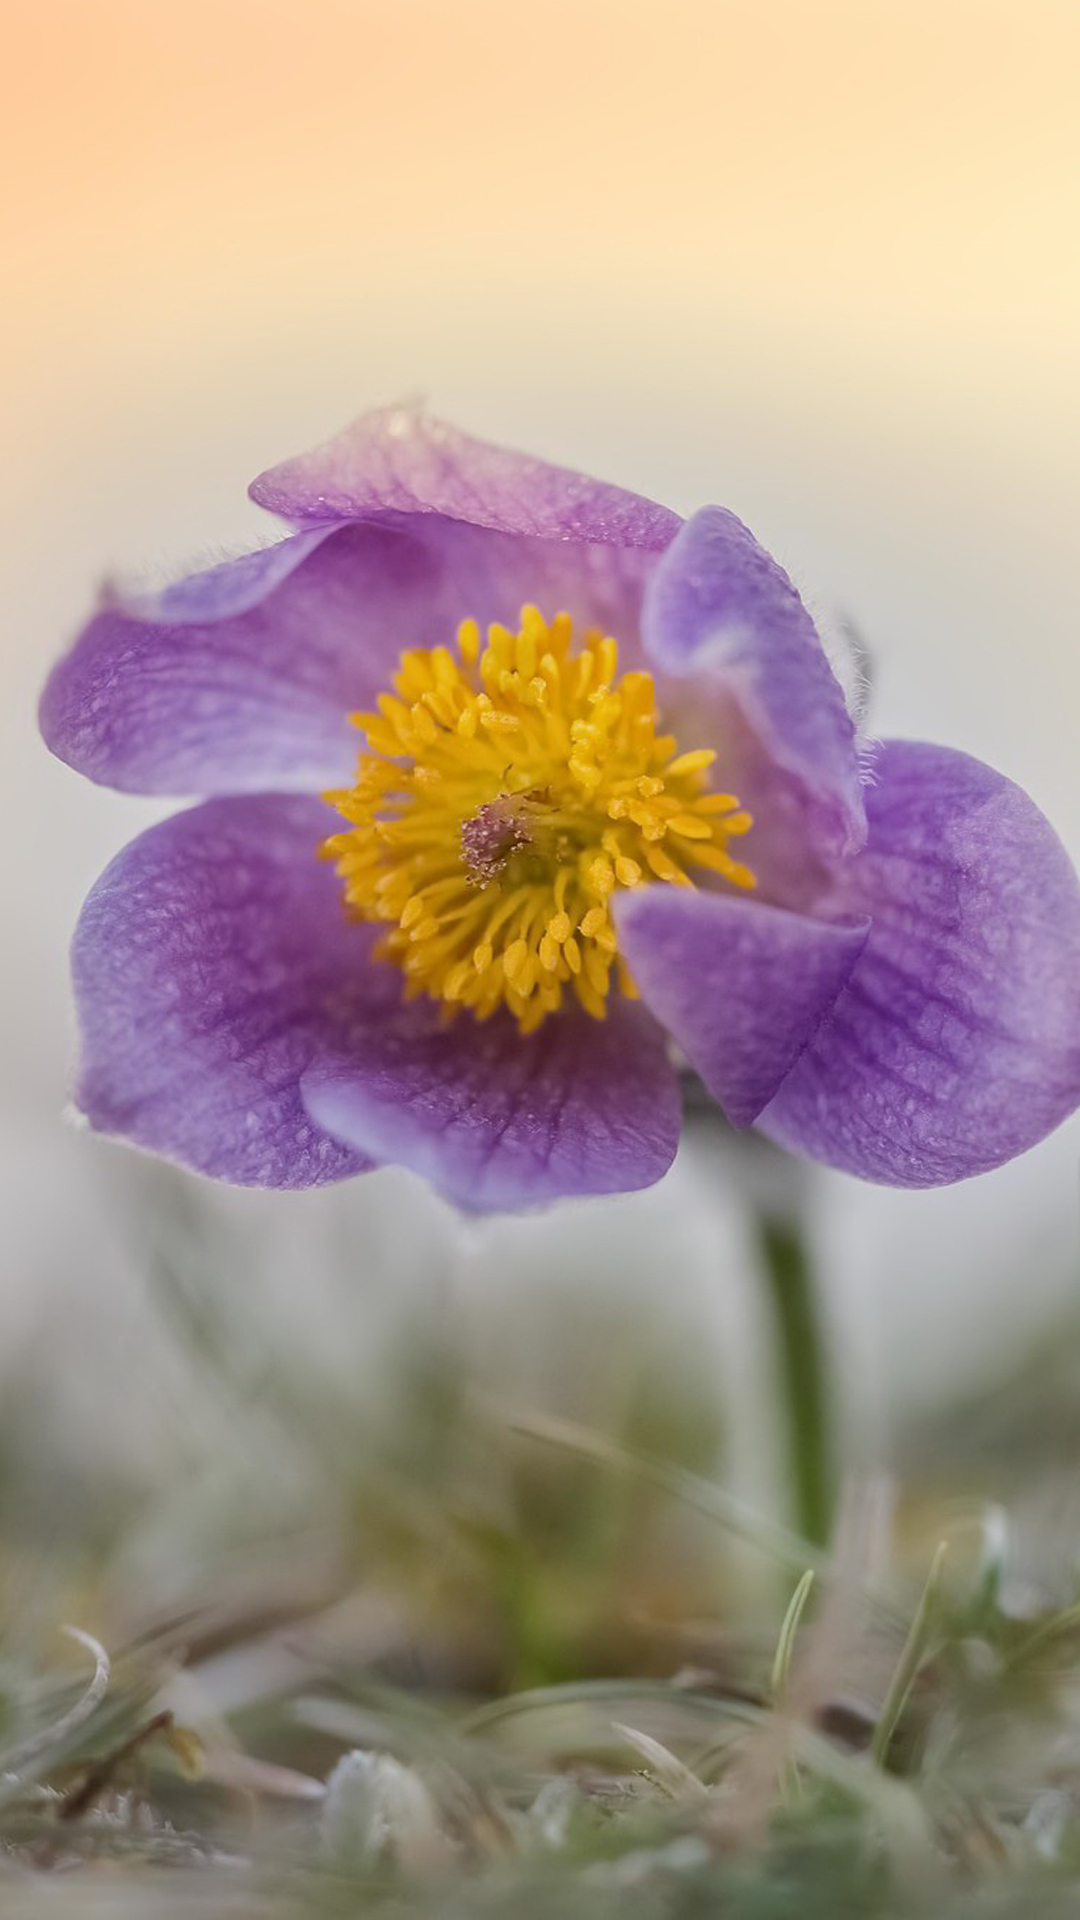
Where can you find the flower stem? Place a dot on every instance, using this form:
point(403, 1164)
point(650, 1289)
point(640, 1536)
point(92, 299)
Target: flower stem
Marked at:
point(801, 1364)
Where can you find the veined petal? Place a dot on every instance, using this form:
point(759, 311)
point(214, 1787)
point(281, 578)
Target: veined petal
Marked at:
point(497, 1121)
point(955, 1044)
point(242, 679)
point(210, 961)
point(724, 625)
point(405, 460)
point(740, 986)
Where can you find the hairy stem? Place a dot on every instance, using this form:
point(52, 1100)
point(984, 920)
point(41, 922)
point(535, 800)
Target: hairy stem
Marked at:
point(801, 1365)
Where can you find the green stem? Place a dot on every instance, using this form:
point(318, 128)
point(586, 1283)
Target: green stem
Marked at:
point(801, 1362)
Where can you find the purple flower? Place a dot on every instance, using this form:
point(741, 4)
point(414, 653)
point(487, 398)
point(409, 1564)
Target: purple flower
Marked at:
point(559, 852)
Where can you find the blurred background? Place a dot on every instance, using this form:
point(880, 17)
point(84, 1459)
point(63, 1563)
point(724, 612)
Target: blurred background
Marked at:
point(815, 259)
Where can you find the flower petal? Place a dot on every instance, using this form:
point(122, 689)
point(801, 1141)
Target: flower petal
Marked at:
point(242, 679)
point(739, 986)
point(210, 960)
point(403, 459)
point(956, 1043)
point(497, 1121)
point(723, 623)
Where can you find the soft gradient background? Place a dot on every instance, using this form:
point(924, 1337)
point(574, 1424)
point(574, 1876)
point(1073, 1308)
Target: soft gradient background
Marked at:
point(817, 261)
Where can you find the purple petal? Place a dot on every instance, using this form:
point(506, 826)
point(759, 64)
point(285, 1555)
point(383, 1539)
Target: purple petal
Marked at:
point(241, 679)
point(210, 960)
point(739, 986)
point(496, 1121)
point(956, 1043)
point(723, 623)
point(402, 459)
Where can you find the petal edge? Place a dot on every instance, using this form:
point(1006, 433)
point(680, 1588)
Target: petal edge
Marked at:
point(210, 961)
point(500, 1122)
point(739, 985)
point(722, 621)
point(956, 1043)
point(405, 460)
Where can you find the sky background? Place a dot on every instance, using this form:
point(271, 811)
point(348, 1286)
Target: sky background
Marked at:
point(816, 261)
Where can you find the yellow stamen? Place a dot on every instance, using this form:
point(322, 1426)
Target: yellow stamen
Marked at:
point(507, 792)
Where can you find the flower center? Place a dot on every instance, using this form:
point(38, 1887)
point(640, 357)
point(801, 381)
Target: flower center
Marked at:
point(507, 792)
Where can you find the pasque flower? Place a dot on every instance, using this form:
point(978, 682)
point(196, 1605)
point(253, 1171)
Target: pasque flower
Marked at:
point(608, 797)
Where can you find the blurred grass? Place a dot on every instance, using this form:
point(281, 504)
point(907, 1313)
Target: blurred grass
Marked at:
point(510, 1574)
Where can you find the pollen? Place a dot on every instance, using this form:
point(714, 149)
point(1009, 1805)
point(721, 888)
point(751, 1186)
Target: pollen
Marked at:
point(509, 789)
